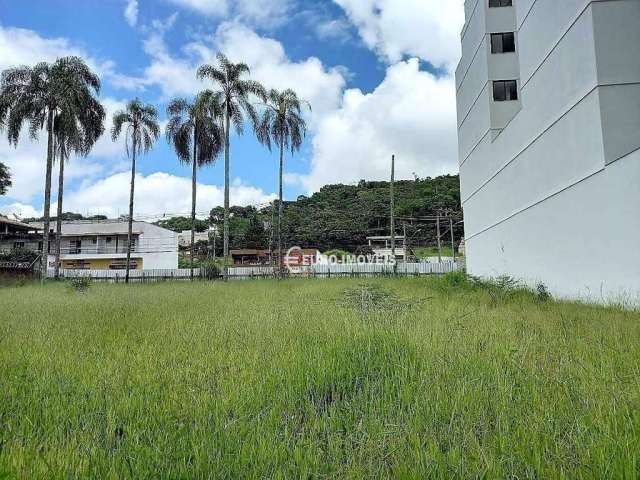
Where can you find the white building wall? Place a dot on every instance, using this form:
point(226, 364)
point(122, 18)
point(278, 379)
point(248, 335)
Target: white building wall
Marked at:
point(549, 198)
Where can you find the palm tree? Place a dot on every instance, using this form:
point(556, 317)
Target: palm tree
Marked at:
point(234, 96)
point(194, 132)
point(142, 130)
point(36, 95)
point(283, 124)
point(74, 135)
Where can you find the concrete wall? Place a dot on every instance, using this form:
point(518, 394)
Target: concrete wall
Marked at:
point(548, 198)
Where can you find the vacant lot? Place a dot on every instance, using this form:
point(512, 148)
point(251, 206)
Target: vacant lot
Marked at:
point(407, 378)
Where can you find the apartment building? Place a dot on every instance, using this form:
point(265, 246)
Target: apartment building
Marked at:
point(548, 98)
point(102, 245)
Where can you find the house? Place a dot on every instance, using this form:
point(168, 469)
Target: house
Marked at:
point(250, 257)
point(381, 247)
point(15, 234)
point(102, 245)
point(548, 100)
point(184, 238)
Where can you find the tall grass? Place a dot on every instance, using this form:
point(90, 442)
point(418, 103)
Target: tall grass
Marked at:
point(376, 378)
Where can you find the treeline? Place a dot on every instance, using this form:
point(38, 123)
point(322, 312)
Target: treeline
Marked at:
point(343, 216)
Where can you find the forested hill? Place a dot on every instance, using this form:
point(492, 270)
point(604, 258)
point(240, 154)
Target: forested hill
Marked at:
point(342, 216)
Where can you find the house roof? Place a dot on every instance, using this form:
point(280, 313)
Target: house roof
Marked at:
point(99, 227)
point(249, 251)
point(17, 224)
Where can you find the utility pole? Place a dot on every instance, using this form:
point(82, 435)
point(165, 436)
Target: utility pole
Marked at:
point(404, 242)
point(393, 218)
point(438, 233)
point(453, 242)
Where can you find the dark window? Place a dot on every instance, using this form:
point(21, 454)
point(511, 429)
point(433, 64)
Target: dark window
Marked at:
point(500, 3)
point(503, 42)
point(109, 239)
point(505, 90)
point(75, 247)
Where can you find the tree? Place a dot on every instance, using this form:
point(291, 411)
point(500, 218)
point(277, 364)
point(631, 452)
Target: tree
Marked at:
point(76, 134)
point(140, 122)
point(194, 132)
point(283, 124)
point(234, 98)
point(36, 96)
point(5, 179)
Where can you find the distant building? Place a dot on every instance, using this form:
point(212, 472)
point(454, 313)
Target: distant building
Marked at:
point(184, 238)
point(250, 257)
point(548, 99)
point(102, 245)
point(381, 247)
point(15, 234)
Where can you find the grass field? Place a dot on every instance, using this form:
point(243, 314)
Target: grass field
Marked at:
point(378, 378)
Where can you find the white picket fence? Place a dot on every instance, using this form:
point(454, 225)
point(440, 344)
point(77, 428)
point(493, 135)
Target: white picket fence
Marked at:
point(135, 275)
point(338, 270)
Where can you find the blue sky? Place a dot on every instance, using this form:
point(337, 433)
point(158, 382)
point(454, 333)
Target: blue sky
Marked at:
point(378, 76)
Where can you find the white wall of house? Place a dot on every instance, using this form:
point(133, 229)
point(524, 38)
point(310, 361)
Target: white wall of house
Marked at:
point(155, 246)
point(551, 196)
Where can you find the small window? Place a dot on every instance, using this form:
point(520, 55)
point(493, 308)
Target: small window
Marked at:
point(505, 90)
point(500, 3)
point(109, 239)
point(503, 42)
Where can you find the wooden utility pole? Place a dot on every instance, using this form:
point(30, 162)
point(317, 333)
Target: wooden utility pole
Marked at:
point(439, 242)
point(393, 218)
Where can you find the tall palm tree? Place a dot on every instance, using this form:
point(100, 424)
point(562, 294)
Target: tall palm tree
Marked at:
point(140, 122)
point(74, 134)
point(282, 124)
point(36, 95)
point(196, 136)
point(235, 95)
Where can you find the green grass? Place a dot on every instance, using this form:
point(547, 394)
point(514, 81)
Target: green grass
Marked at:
point(401, 378)
point(424, 252)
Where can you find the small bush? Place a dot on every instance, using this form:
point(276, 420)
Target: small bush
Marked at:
point(542, 293)
point(81, 284)
point(456, 279)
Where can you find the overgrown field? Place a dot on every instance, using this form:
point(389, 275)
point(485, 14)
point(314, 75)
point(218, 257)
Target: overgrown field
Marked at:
point(352, 378)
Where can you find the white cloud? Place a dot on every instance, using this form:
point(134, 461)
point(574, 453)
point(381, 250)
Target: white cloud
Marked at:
point(429, 29)
point(258, 12)
point(320, 86)
point(131, 12)
point(176, 75)
point(333, 29)
point(20, 210)
point(206, 7)
point(410, 114)
point(156, 194)
point(19, 46)
point(27, 160)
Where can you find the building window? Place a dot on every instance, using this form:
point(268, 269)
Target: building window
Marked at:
point(75, 247)
point(503, 42)
point(121, 264)
point(505, 90)
point(109, 239)
point(500, 3)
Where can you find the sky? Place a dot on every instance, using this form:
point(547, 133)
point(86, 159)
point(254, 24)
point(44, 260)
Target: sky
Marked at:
point(377, 73)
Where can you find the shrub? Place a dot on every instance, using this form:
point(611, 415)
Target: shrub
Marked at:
point(81, 284)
